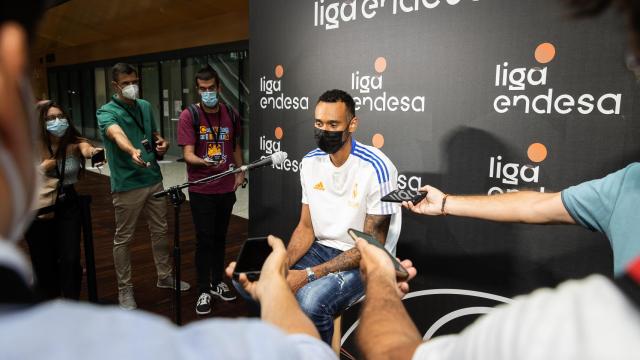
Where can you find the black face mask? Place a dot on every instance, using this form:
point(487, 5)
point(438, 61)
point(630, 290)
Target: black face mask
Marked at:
point(330, 141)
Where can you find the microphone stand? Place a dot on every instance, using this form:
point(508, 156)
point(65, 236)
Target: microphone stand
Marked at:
point(177, 198)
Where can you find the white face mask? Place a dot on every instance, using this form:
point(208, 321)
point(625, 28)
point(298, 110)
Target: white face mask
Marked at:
point(131, 91)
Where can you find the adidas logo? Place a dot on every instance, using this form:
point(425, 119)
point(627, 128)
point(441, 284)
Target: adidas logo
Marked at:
point(319, 186)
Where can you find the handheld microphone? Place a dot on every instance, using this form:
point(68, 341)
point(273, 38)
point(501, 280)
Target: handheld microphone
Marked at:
point(276, 158)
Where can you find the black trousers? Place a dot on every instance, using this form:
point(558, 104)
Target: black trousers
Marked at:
point(54, 247)
point(211, 214)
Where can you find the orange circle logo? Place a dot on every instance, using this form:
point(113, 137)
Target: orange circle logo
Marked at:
point(279, 71)
point(378, 140)
point(537, 152)
point(545, 52)
point(278, 132)
point(380, 65)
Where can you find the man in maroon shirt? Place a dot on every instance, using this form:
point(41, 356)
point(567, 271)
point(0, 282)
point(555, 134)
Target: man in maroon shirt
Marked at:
point(210, 145)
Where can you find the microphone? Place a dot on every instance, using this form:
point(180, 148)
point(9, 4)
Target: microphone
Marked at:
point(276, 158)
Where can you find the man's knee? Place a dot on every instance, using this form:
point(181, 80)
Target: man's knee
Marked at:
point(312, 300)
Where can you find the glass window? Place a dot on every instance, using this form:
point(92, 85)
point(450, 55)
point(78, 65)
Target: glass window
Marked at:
point(171, 91)
point(100, 87)
point(88, 107)
point(150, 88)
point(53, 86)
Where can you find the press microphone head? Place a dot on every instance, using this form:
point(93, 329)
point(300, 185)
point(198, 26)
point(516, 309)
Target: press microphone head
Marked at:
point(278, 157)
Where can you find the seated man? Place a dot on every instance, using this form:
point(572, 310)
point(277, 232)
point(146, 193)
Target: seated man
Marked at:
point(342, 183)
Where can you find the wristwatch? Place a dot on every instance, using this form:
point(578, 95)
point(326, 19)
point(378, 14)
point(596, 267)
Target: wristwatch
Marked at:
point(311, 276)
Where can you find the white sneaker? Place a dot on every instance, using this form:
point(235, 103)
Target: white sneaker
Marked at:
point(167, 283)
point(126, 299)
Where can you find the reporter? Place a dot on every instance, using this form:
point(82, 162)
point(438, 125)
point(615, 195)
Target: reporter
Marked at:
point(54, 237)
point(593, 318)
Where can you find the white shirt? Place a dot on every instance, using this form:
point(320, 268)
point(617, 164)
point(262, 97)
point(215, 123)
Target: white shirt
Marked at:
point(581, 320)
point(339, 198)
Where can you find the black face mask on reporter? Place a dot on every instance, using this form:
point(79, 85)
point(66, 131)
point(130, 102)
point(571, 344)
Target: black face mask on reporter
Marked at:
point(330, 141)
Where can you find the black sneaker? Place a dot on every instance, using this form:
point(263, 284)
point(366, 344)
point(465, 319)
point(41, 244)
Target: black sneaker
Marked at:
point(203, 306)
point(222, 291)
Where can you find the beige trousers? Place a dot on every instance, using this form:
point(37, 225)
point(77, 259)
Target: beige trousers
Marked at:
point(128, 206)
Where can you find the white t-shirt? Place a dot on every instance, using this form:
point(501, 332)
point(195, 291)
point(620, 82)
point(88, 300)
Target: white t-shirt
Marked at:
point(581, 320)
point(339, 198)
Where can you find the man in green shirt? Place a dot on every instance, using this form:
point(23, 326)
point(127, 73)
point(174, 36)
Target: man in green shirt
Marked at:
point(133, 145)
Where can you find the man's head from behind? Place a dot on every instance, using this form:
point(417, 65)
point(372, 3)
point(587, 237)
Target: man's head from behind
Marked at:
point(335, 120)
point(17, 118)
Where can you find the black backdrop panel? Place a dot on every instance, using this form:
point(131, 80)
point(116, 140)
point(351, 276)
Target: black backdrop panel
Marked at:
point(472, 97)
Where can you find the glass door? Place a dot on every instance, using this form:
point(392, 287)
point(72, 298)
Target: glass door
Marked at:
point(171, 95)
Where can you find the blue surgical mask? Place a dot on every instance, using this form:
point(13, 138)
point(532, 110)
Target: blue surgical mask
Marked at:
point(57, 127)
point(209, 98)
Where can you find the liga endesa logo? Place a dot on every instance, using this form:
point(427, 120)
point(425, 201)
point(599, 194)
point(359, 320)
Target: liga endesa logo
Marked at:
point(518, 79)
point(514, 174)
point(329, 15)
point(270, 146)
point(369, 94)
point(273, 97)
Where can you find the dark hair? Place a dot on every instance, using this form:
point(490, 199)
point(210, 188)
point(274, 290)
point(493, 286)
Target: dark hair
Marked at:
point(336, 95)
point(122, 68)
point(70, 137)
point(207, 73)
point(630, 8)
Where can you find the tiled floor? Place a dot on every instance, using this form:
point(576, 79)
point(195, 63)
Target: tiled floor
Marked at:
point(175, 173)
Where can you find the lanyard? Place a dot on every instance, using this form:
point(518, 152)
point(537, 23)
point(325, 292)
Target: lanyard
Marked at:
point(216, 135)
point(135, 119)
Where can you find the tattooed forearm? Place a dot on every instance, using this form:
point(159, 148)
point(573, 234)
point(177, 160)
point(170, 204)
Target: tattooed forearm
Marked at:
point(348, 260)
point(378, 226)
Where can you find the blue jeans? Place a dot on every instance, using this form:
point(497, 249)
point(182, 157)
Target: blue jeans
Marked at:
point(322, 300)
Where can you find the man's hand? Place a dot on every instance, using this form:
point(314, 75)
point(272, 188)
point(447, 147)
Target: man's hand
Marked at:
point(376, 264)
point(136, 157)
point(239, 180)
point(430, 205)
point(272, 275)
point(297, 279)
point(162, 145)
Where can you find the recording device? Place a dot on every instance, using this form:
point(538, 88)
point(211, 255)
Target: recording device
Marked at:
point(276, 158)
point(251, 258)
point(399, 196)
point(97, 159)
point(401, 272)
point(150, 147)
point(147, 145)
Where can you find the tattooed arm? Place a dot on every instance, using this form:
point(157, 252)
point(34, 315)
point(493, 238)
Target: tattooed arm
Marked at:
point(376, 225)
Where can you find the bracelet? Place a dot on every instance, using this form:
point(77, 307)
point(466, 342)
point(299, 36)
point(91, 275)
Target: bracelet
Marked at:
point(444, 201)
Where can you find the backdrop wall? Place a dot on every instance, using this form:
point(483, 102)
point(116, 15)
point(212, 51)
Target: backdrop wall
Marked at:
point(470, 96)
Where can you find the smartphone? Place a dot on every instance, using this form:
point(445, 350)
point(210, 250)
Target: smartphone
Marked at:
point(252, 255)
point(97, 159)
point(404, 195)
point(401, 272)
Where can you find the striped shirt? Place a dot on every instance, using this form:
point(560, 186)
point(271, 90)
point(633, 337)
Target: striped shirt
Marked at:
point(339, 198)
